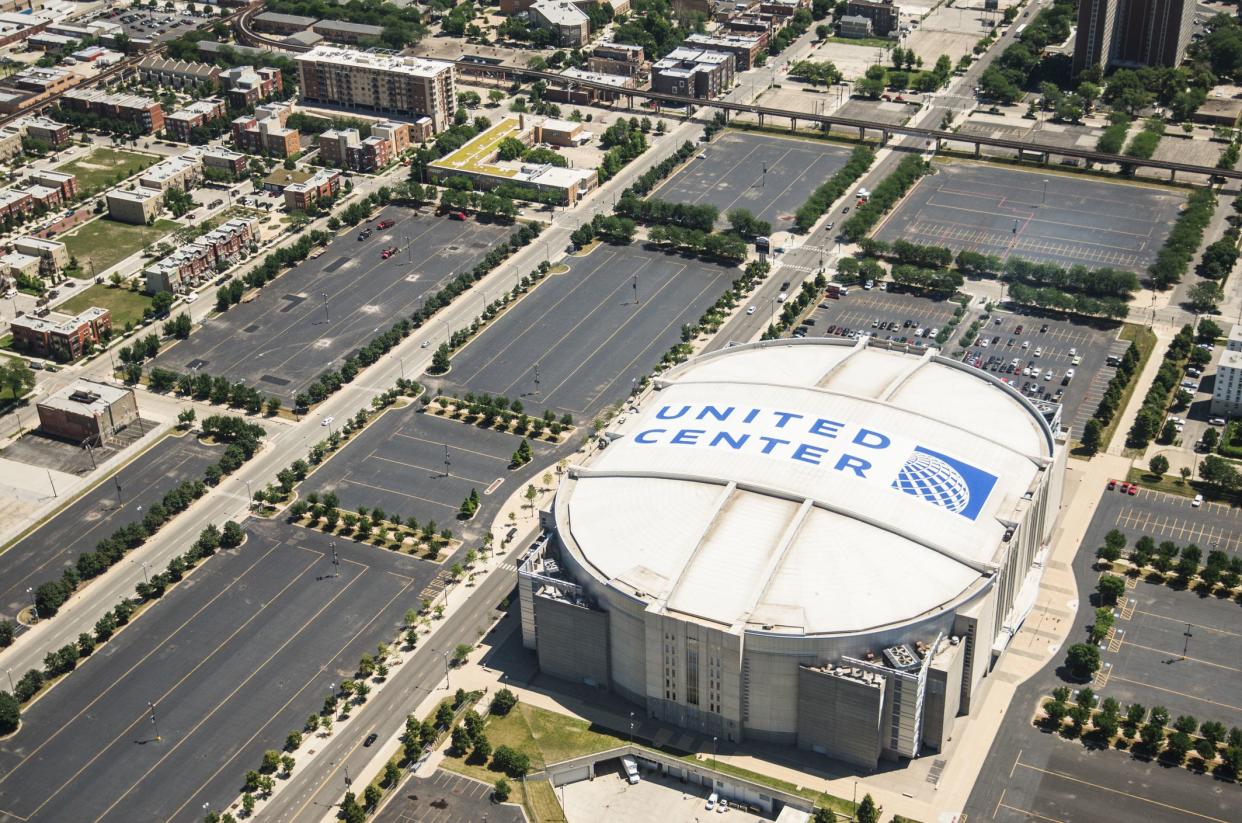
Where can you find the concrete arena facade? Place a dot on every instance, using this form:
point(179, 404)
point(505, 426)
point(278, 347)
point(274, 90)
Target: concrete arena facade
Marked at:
point(820, 543)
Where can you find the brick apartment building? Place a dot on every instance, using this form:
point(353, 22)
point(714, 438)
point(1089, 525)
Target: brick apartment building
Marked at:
point(132, 108)
point(178, 74)
point(345, 148)
point(248, 86)
point(195, 263)
point(181, 124)
point(67, 183)
point(323, 183)
point(619, 58)
point(231, 162)
point(57, 135)
point(15, 203)
point(60, 336)
point(265, 132)
point(744, 48)
point(693, 72)
point(88, 412)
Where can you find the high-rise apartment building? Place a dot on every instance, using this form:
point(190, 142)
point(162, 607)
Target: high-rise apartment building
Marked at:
point(1132, 33)
point(379, 82)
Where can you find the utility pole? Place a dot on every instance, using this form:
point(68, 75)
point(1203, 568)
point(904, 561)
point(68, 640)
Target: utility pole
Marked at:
point(1187, 634)
point(536, 378)
point(447, 462)
point(636, 300)
point(447, 685)
point(326, 318)
point(34, 605)
point(154, 725)
point(336, 560)
point(51, 483)
point(120, 501)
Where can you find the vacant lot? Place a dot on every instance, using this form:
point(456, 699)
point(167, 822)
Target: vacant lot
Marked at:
point(126, 306)
point(101, 244)
point(105, 167)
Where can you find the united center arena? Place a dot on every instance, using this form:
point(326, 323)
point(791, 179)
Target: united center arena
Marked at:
point(822, 543)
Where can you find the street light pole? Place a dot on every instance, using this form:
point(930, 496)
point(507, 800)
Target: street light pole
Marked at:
point(336, 560)
point(326, 318)
point(1187, 635)
point(154, 725)
point(34, 604)
point(447, 462)
point(447, 685)
point(120, 501)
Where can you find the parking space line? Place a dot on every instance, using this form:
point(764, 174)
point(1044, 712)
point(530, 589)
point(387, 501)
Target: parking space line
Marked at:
point(403, 494)
point(1026, 812)
point(1121, 679)
point(1111, 790)
point(436, 471)
point(1179, 621)
point(439, 444)
point(1176, 656)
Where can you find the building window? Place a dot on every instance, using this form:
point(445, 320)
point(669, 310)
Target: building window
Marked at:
point(692, 671)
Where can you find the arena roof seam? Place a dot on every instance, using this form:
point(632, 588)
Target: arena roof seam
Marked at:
point(900, 380)
point(859, 346)
point(1037, 460)
point(581, 472)
point(777, 559)
point(728, 491)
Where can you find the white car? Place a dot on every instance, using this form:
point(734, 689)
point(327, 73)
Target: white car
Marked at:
point(1039, 351)
point(1077, 359)
point(1198, 501)
point(711, 801)
point(1073, 352)
point(327, 421)
point(1026, 344)
point(426, 343)
point(750, 310)
point(190, 298)
point(722, 806)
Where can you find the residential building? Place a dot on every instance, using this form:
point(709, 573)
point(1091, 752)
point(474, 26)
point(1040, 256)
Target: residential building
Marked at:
point(211, 49)
point(569, 24)
point(15, 203)
point(265, 132)
point(478, 161)
point(10, 142)
point(744, 48)
point(691, 72)
point(343, 32)
point(183, 172)
point(44, 197)
point(131, 108)
point(52, 250)
point(855, 25)
point(60, 336)
point(397, 134)
point(56, 135)
point(274, 23)
point(15, 263)
point(67, 183)
point(323, 183)
point(178, 74)
point(1131, 33)
point(618, 58)
point(248, 86)
point(299, 41)
point(280, 178)
point(88, 412)
point(1234, 341)
point(561, 133)
point(137, 207)
point(884, 15)
point(181, 124)
point(195, 263)
point(1227, 390)
point(333, 144)
point(382, 82)
point(784, 9)
point(226, 160)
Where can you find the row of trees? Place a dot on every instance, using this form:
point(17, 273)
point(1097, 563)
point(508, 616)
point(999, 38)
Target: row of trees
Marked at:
point(795, 305)
point(887, 192)
point(1019, 64)
point(727, 247)
point(1155, 403)
point(831, 190)
point(1110, 403)
point(663, 213)
point(937, 282)
point(272, 265)
point(1183, 241)
point(624, 140)
point(202, 386)
point(1143, 144)
point(656, 174)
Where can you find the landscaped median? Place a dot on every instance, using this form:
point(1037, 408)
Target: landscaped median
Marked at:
point(1098, 432)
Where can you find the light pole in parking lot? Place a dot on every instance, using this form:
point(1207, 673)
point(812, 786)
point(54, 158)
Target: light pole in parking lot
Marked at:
point(326, 318)
point(1186, 646)
point(536, 378)
point(154, 725)
point(636, 300)
point(448, 464)
point(336, 561)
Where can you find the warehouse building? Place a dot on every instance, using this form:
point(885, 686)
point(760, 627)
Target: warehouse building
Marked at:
point(88, 412)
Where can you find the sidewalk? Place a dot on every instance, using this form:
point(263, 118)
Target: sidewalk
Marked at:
point(1143, 382)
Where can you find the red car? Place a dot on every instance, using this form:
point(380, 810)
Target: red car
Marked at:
point(385, 224)
point(1112, 484)
point(457, 215)
point(1133, 490)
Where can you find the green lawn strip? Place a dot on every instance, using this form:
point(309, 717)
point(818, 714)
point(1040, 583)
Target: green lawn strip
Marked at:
point(1172, 484)
point(100, 168)
point(106, 242)
point(1145, 339)
point(541, 803)
point(126, 306)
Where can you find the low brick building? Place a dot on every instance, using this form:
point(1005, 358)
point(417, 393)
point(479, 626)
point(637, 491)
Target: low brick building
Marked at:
point(182, 172)
point(67, 183)
point(248, 86)
point(88, 412)
point(323, 183)
point(15, 203)
point(136, 207)
point(195, 263)
point(180, 125)
point(131, 108)
point(61, 336)
point(54, 251)
point(265, 132)
point(56, 135)
point(226, 160)
point(692, 72)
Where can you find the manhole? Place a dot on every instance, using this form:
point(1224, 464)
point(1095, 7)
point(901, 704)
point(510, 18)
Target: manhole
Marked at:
point(274, 380)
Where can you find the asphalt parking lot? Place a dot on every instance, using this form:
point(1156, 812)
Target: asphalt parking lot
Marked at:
point(769, 175)
point(35, 448)
point(146, 24)
point(1006, 212)
point(310, 318)
point(610, 797)
point(864, 311)
point(398, 465)
point(269, 619)
point(1051, 345)
point(1163, 516)
point(1030, 774)
point(55, 546)
point(578, 341)
point(447, 798)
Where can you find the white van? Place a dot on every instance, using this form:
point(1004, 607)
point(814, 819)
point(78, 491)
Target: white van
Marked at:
point(631, 769)
point(782, 297)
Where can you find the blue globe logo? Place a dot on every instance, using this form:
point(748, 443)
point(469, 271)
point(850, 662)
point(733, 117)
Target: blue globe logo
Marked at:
point(932, 479)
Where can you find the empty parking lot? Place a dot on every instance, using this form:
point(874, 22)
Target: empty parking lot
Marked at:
point(770, 176)
point(310, 318)
point(577, 343)
point(268, 619)
point(1163, 516)
point(446, 798)
point(1043, 217)
point(116, 501)
point(398, 464)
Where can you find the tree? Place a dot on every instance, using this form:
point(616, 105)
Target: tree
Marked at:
point(1159, 464)
point(867, 811)
point(10, 713)
point(501, 790)
point(1091, 434)
point(178, 201)
point(17, 376)
point(351, 812)
point(1082, 659)
point(371, 796)
point(1110, 588)
point(248, 803)
point(503, 702)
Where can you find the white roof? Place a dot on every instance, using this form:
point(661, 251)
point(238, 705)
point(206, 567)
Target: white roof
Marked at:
point(810, 486)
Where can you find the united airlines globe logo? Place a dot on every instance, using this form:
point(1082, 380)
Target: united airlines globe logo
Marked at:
point(945, 482)
point(927, 476)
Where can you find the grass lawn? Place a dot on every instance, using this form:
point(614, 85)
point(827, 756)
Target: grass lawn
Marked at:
point(100, 168)
point(107, 242)
point(126, 306)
